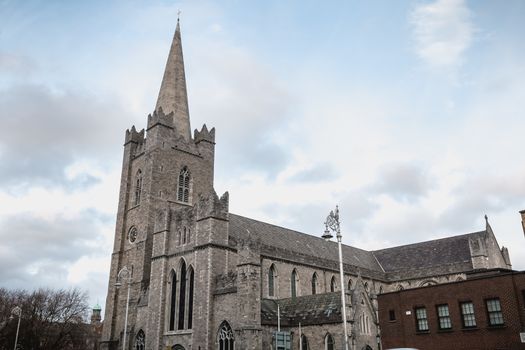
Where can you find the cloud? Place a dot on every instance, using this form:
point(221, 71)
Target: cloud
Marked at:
point(247, 103)
point(316, 173)
point(47, 131)
point(404, 182)
point(442, 31)
point(38, 252)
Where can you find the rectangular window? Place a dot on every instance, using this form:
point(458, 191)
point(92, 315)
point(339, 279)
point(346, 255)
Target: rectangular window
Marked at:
point(421, 319)
point(392, 315)
point(444, 317)
point(467, 314)
point(494, 312)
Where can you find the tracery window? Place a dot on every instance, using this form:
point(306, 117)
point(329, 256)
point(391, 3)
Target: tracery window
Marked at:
point(271, 281)
point(329, 342)
point(314, 283)
point(138, 187)
point(140, 341)
point(183, 190)
point(293, 283)
point(225, 337)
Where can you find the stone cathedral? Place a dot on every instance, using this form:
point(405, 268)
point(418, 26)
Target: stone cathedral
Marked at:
point(202, 278)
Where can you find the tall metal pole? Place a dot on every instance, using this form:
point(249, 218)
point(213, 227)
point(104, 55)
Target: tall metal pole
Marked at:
point(333, 223)
point(17, 310)
point(126, 272)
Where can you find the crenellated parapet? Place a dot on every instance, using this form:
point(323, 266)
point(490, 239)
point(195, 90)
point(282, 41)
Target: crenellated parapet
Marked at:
point(134, 136)
point(204, 135)
point(211, 206)
point(160, 118)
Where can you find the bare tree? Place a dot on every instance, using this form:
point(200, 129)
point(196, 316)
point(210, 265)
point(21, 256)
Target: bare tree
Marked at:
point(51, 319)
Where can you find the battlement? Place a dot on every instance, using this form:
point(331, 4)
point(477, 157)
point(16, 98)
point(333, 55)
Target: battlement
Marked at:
point(160, 118)
point(211, 205)
point(134, 136)
point(204, 135)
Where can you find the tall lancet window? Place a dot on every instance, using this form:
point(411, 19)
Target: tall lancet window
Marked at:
point(173, 300)
point(333, 284)
point(182, 292)
point(314, 283)
point(293, 284)
point(190, 297)
point(183, 190)
point(271, 281)
point(138, 187)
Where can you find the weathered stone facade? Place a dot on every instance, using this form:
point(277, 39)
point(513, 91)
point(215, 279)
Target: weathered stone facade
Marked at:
point(200, 276)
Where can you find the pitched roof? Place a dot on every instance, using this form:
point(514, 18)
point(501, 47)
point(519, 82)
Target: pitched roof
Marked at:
point(440, 256)
point(283, 243)
point(307, 310)
point(429, 256)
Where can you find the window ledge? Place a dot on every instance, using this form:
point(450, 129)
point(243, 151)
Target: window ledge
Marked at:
point(469, 329)
point(422, 332)
point(448, 330)
point(179, 332)
point(497, 326)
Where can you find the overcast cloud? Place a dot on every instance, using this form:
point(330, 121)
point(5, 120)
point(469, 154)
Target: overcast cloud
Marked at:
point(314, 106)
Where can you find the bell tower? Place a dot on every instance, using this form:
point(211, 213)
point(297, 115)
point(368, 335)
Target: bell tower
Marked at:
point(164, 171)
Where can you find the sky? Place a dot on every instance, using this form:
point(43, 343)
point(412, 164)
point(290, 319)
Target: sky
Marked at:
point(409, 115)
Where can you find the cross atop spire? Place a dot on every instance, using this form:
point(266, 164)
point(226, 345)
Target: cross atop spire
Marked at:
point(173, 96)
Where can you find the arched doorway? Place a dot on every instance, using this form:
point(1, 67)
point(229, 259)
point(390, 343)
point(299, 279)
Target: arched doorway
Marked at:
point(177, 347)
point(367, 347)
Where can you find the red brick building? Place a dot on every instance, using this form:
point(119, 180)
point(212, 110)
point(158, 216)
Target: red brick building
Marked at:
point(486, 311)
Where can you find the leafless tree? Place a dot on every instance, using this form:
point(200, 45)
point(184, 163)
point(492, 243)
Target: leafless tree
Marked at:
point(50, 319)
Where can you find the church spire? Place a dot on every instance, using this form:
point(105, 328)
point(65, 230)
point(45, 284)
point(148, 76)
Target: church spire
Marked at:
point(172, 95)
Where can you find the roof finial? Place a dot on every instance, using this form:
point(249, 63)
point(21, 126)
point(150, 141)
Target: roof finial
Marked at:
point(486, 219)
point(178, 15)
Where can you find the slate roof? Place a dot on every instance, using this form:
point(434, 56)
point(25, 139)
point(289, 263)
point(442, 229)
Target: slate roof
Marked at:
point(307, 310)
point(280, 242)
point(446, 255)
point(430, 256)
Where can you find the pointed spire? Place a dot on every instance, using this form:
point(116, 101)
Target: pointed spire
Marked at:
point(172, 95)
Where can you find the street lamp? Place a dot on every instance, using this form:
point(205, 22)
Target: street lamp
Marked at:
point(17, 311)
point(125, 274)
point(332, 223)
point(378, 339)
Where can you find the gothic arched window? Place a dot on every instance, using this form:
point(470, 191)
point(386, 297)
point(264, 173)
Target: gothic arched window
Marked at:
point(183, 190)
point(140, 341)
point(179, 239)
point(333, 284)
point(182, 296)
point(173, 301)
point(225, 337)
point(349, 285)
point(304, 342)
point(314, 283)
point(190, 296)
point(138, 187)
point(271, 281)
point(293, 283)
point(329, 342)
point(184, 235)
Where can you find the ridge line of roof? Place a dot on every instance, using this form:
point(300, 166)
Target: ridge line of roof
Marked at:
point(429, 241)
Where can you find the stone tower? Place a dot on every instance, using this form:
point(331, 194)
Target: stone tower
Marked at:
point(164, 172)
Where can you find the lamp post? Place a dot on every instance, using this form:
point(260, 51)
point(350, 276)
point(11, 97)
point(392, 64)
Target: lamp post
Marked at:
point(332, 223)
point(17, 311)
point(125, 274)
point(378, 339)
